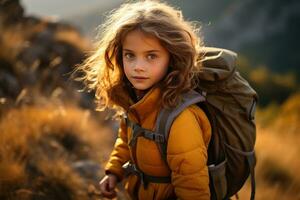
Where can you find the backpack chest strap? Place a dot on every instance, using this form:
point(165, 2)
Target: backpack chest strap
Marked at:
point(131, 168)
point(138, 131)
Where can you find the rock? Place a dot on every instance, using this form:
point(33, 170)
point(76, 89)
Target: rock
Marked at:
point(88, 169)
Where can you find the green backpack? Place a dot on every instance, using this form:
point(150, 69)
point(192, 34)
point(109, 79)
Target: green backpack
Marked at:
point(229, 102)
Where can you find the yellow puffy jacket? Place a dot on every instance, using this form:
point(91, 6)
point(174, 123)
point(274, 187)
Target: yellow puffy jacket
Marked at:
point(186, 153)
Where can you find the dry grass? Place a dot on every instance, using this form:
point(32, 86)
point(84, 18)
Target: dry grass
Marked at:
point(278, 149)
point(50, 148)
point(39, 143)
point(287, 121)
point(39, 146)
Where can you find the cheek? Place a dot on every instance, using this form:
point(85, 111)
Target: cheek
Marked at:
point(126, 70)
point(160, 71)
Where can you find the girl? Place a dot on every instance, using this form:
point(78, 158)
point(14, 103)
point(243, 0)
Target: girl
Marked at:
point(145, 60)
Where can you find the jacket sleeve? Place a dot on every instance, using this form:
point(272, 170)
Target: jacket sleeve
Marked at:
point(120, 153)
point(187, 155)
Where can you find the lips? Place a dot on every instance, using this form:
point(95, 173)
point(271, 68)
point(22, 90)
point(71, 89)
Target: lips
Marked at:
point(140, 77)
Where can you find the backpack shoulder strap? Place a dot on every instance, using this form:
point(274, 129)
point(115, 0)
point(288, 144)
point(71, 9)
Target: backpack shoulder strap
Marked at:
point(167, 116)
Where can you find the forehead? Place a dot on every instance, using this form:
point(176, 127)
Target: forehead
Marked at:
point(136, 40)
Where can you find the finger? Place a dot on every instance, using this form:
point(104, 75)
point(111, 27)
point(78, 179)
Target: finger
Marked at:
point(103, 186)
point(111, 184)
point(109, 194)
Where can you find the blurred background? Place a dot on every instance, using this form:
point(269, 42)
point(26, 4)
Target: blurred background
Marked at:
point(53, 144)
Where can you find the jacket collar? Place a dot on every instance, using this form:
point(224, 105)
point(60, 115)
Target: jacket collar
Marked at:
point(148, 104)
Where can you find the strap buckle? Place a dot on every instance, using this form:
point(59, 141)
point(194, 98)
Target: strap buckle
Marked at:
point(131, 168)
point(139, 131)
point(154, 136)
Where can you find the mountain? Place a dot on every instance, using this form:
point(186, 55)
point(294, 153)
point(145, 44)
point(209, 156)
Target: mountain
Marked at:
point(266, 31)
point(262, 30)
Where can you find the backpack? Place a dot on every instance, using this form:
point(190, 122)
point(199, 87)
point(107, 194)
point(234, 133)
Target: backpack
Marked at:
point(229, 103)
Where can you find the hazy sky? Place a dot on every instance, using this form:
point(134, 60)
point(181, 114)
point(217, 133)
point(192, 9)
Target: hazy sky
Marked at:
point(61, 8)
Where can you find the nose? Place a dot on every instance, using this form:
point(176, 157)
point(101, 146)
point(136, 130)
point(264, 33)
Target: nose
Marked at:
point(139, 66)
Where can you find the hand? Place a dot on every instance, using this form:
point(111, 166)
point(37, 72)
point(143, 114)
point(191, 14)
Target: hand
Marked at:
point(107, 186)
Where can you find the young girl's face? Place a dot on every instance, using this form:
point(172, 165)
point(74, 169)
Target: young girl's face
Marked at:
point(145, 60)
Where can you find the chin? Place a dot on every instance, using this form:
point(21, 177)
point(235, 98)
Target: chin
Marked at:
point(141, 87)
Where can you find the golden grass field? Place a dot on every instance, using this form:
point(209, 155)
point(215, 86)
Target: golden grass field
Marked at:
point(277, 148)
point(39, 145)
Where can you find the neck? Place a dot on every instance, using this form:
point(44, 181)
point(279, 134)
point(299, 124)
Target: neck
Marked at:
point(140, 93)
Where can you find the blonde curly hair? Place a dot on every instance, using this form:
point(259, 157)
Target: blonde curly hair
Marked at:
point(103, 69)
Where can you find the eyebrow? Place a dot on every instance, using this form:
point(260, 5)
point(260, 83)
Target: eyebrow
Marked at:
point(150, 51)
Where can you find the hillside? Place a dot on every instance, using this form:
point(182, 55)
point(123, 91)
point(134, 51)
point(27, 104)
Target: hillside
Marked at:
point(53, 145)
point(264, 31)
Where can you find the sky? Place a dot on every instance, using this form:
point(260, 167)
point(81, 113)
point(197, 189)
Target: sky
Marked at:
point(61, 8)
